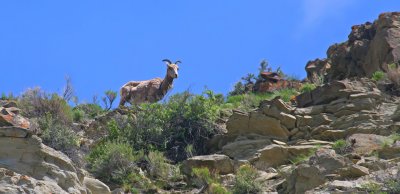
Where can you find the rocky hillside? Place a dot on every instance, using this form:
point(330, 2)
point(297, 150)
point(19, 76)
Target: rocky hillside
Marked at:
point(338, 133)
point(341, 137)
point(341, 141)
point(29, 166)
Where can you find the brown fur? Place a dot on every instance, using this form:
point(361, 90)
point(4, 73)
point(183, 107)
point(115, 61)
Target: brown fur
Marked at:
point(137, 92)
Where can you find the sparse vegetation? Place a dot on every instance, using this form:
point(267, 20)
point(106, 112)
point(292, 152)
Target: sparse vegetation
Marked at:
point(209, 181)
point(57, 135)
point(372, 187)
point(307, 87)
point(392, 186)
point(378, 76)
point(9, 96)
point(340, 146)
point(303, 157)
point(114, 162)
point(36, 103)
point(245, 181)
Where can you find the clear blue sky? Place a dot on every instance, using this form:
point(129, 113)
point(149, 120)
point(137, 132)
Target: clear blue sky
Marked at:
point(103, 44)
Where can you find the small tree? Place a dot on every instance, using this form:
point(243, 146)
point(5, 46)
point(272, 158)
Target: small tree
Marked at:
point(109, 99)
point(263, 66)
point(68, 91)
point(238, 89)
point(248, 78)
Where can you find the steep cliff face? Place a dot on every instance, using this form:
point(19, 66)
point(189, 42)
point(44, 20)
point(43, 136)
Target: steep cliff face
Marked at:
point(370, 47)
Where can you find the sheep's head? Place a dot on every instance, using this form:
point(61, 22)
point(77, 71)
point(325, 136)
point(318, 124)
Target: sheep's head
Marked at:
point(172, 68)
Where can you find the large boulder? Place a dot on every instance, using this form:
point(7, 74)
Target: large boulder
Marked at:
point(256, 122)
point(245, 147)
point(365, 144)
point(307, 176)
point(275, 155)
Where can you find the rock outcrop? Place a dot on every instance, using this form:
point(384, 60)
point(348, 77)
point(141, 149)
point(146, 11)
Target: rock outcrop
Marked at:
point(370, 47)
point(277, 134)
point(29, 166)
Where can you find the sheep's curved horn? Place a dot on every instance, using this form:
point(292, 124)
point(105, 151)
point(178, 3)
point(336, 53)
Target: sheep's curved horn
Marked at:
point(167, 61)
point(177, 62)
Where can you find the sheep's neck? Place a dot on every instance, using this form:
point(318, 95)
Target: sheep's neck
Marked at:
point(166, 84)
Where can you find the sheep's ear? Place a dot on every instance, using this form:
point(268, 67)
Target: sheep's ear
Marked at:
point(167, 61)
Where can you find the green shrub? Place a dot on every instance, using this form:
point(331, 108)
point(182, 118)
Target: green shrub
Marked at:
point(57, 135)
point(217, 188)
point(78, 115)
point(158, 166)
point(304, 157)
point(138, 183)
point(340, 146)
point(90, 110)
point(204, 175)
point(286, 94)
point(245, 180)
point(307, 87)
point(184, 120)
point(393, 186)
point(238, 89)
point(371, 187)
point(36, 103)
point(378, 75)
point(10, 96)
point(209, 180)
point(113, 162)
point(392, 66)
point(246, 102)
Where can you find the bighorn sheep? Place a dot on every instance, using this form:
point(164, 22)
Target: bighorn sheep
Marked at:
point(136, 92)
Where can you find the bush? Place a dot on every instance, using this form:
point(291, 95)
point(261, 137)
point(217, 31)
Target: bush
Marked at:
point(371, 187)
point(184, 120)
point(245, 180)
point(209, 181)
point(246, 102)
point(90, 110)
point(393, 186)
point(158, 166)
point(114, 162)
point(378, 75)
point(340, 146)
point(78, 115)
point(57, 135)
point(36, 103)
point(10, 96)
point(303, 157)
point(286, 94)
point(238, 89)
point(307, 87)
